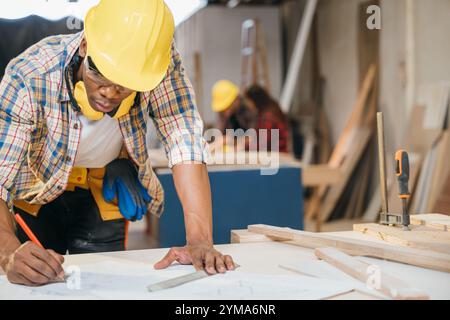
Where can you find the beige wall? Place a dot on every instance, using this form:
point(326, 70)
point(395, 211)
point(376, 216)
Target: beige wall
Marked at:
point(338, 59)
point(216, 32)
point(428, 62)
point(432, 41)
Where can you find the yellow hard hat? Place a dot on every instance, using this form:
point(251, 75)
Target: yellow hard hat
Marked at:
point(224, 92)
point(130, 41)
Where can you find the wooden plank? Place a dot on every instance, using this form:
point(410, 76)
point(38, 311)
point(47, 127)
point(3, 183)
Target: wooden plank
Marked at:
point(262, 49)
point(359, 192)
point(388, 284)
point(442, 203)
point(382, 162)
point(244, 236)
point(320, 175)
point(418, 237)
point(432, 220)
point(421, 196)
point(441, 170)
point(421, 258)
point(435, 97)
point(418, 139)
point(332, 196)
point(359, 146)
point(295, 63)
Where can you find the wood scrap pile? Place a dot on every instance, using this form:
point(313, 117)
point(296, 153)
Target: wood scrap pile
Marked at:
point(405, 254)
point(347, 154)
point(427, 139)
point(427, 245)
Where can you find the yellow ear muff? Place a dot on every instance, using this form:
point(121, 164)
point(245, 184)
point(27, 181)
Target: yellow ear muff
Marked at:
point(80, 96)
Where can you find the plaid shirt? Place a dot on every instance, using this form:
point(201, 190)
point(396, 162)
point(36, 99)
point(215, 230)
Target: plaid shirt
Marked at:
point(40, 129)
point(267, 120)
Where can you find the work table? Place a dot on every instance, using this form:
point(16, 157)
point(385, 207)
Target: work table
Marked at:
point(266, 258)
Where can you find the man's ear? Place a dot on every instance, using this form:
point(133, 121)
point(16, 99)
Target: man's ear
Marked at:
point(83, 48)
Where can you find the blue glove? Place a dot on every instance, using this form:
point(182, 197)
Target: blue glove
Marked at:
point(121, 182)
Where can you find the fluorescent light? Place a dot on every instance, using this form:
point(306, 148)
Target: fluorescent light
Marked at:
point(57, 9)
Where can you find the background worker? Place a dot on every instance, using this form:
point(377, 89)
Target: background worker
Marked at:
point(269, 116)
point(232, 111)
point(230, 107)
point(73, 158)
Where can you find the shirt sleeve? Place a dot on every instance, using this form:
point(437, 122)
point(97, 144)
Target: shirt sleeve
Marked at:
point(177, 120)
point(15, 130)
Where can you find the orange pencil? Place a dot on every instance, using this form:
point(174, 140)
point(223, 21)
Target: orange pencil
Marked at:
point(27, 230)
point(33, 238)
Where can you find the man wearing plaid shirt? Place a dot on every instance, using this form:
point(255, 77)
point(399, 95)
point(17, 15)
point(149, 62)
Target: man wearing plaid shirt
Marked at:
point(73, 159)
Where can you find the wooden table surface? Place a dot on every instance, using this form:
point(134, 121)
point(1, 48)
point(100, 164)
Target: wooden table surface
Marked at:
point(265, 258)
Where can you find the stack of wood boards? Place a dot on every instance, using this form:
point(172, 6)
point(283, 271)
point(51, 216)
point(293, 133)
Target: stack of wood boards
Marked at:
point(419, 237)
point(426, 258)
point(389, 285)
point(433, 220)
point(434, 145)
point(427, 245)
point(427, 140)
point(442, 203)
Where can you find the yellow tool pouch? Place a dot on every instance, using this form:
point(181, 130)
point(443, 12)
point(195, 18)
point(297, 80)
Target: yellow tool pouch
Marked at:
point(88, 179)
point(108, 211)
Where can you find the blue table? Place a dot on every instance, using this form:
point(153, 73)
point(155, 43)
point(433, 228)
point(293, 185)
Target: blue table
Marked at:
point(240, 197)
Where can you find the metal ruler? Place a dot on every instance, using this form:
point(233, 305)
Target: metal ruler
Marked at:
point(178, 281)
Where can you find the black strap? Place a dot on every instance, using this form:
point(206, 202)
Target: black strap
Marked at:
point(72, 66)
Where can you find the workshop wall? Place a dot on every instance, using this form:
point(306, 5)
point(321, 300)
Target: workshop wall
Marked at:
point(215, 32)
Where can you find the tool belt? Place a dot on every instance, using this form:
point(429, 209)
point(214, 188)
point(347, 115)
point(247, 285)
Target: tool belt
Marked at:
point(88, 179)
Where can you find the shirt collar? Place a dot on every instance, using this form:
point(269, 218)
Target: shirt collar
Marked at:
point(69, 52)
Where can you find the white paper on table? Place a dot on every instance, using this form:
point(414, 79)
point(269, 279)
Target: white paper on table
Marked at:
point(120, 280)
point(323, 270)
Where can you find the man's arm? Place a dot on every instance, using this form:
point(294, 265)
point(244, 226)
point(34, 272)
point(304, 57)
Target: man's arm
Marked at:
point(193, 189)
point(180, 130)
point(24, 264)
point(7, 237)
point(192, 185)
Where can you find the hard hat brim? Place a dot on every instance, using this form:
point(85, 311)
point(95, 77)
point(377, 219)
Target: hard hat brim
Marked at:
point(146, 80)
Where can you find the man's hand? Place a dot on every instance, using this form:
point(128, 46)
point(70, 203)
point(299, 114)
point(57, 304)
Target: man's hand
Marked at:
point(33, 266)
point(202, 256)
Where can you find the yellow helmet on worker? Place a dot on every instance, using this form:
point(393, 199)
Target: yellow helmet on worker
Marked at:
point(130, 41)
point(224, 92)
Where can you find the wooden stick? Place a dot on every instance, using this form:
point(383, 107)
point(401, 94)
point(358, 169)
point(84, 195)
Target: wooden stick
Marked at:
point(432, 220)
point(377, 279)
point(419, 237)
point(295, 64)
point(416, 257)
point(382, 162)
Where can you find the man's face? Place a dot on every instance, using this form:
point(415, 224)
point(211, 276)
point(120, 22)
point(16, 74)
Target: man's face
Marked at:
point(103, 95)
